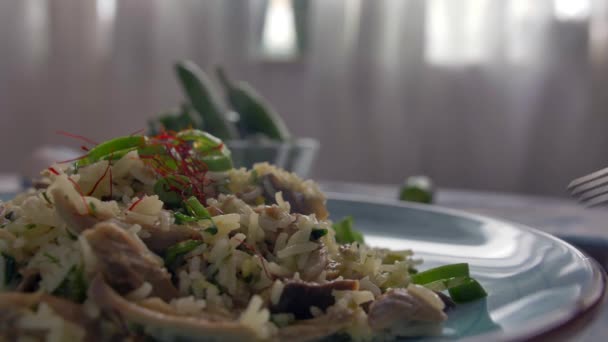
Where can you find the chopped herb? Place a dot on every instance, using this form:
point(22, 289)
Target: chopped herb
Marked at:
point(93, 208)
point(10, 268)
point(30, 226)
point(317, 233)
point(211, 230)
point(52, 258)
point(46, 198)
point(345, 233)
point(183, 218)
point(180, 249)
point(196, 209)
point(73, 286)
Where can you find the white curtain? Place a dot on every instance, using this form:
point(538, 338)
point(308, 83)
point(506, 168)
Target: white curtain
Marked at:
point(485, 94)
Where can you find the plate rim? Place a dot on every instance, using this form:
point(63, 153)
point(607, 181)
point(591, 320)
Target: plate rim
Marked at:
point(585, 305)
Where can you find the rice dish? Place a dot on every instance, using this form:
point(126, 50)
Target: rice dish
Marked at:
point(159, 237)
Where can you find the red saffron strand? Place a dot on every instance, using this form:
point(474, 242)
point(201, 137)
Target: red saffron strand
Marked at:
point(53, 171)
point(99, 180)
point(84, 148)
point(79, 190)
point(135, 203)
point(110, 183)
point(76, 136)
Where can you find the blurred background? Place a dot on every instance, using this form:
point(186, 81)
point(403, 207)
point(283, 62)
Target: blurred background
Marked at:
point(501, 95)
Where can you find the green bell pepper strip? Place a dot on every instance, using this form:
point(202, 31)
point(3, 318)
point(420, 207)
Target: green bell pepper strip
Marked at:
point(198, 88)
point(469, 290)
point(256, 116)
point(107, 148)
point(441, 273)
point(196, 209)
point(180, 248)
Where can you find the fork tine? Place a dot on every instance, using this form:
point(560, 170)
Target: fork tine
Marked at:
point(597, 201)
point(588, 186)
point(588, 178)
point(590, 194)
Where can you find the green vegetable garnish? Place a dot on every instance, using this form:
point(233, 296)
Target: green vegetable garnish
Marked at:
point(196, 209)
point(317, 233)
point(417, 189)
point(345, 233)
point(110, 147)
point(74, 286)
point(198, 89)
point(171, 190)
point(256, 116)
point(10, 268)
point(52, 258)
point(183, 218)
point(180, 249)
point(441, 273)
point(469, 290)
point(211, 230)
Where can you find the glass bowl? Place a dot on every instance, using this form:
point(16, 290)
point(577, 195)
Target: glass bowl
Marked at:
point(296, 156)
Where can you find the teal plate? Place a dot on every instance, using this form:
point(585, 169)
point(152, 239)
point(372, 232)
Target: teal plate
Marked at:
point(537, 284)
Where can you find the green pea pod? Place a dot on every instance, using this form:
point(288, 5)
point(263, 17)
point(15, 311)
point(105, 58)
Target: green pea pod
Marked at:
point(198, 88)
point(467, 291)
point(196, 209)
point(171, 190)
point(256, 116)
point(107, 148)
point(441, 272)
point(215, 153)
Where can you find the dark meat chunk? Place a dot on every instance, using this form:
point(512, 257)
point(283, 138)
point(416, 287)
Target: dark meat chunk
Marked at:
point(317, 328)
point(299, 203)
point(298, 296)
point(29, 281)
point(127, 263)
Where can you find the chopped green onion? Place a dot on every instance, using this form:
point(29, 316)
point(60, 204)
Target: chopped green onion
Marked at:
point(183, 218)
point(180, 249)
point(211, 230)
point(441, 273)
point(196, 209)
point(73, 286)
point(46, 198)
point(107, 148)
point(345, 232)
point(317, 233)
point(10, 268)
point(469, 290)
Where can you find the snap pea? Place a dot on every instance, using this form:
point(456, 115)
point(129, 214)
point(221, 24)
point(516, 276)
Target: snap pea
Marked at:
point(217, 156)
point(198, 89)
point(108, 148)
point(468, 291)
point(256, 116)
point(441, 273)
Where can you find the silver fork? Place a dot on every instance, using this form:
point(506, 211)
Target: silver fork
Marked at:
point(592, 189)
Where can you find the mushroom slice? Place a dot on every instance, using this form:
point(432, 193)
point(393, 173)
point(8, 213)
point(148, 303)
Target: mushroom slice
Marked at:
point(298, 296)
point(170, 325)
point(415, 303)
point(127, 263)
